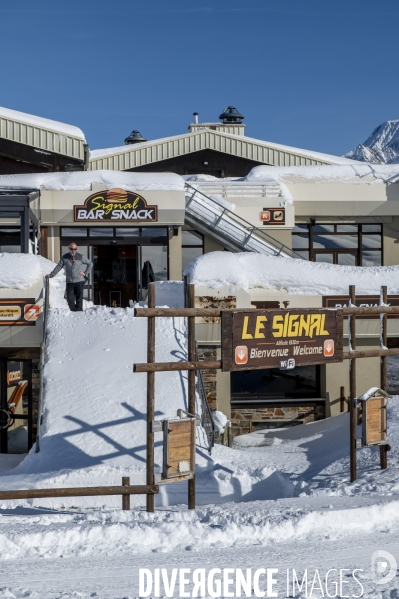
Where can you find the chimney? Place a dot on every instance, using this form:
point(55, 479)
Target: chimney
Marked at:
point(195, 115)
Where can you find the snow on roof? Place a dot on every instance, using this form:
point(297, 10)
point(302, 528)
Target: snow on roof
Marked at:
point(329, 158)
point(39, 121)
point(83, 180)
point(356, 172)
point(20, 271)
point(298, 277)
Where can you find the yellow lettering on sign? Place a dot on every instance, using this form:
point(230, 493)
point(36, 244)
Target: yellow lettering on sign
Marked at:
point(293, 326)
point(278, 326)
point(245, 334)
point(259, 325)
point(299, 325)
point(322, 329)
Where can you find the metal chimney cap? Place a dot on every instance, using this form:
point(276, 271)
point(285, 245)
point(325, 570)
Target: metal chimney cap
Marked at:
point(134, 138)
point(231, 115)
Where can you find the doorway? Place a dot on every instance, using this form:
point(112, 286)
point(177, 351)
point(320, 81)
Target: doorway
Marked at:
point(115, 277)
point(16, 422)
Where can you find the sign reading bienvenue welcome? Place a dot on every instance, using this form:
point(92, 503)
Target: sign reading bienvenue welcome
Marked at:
point(115, 204)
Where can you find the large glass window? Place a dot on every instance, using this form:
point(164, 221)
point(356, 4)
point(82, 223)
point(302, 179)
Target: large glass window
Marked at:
point(252, 386)
point(10, 233)
point(346, 244)
point(192, 246)
point(158, 258)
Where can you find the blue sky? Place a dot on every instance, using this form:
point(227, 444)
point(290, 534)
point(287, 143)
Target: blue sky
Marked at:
point(308, 73)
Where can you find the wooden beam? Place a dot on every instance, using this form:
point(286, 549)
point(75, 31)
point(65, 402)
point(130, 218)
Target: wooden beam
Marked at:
point(370, 310)
point(191, 380)
point(79, 492)
point(182, 312)
point(150, 397)
point(383, 370)
point(370, 353)
point(352, 388)
point(167, 366)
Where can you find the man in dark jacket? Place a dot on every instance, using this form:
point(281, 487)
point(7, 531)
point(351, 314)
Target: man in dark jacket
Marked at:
point(75, 276)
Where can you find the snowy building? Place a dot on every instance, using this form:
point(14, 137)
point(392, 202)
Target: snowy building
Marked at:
point(230, 194)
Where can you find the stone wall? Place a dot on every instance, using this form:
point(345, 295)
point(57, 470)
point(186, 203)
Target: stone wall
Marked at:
point(209, 376)
point(244, 421)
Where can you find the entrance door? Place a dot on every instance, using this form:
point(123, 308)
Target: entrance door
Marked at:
point(16, 430)
point(115, 275)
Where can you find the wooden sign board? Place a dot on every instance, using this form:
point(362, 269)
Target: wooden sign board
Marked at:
point(362, 301)
point(374, 421)
point(280, 338)
point(179, 448)
point(17, 312)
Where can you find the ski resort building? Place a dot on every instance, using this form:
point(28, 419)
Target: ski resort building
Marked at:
point(224, 192)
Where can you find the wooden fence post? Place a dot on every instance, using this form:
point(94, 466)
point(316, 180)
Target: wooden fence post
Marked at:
point(342, 399)
point(126, 498)
point(191, 379)
point(150, 396)
point(352, 388)
point(383, 344)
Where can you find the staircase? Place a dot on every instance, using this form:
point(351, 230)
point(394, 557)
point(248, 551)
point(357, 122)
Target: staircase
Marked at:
point(212, 217)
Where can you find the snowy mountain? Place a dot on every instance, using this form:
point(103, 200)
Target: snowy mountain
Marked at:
point(382, 147)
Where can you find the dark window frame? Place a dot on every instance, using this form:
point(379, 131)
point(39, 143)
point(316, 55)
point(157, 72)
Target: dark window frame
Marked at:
point(357, 252)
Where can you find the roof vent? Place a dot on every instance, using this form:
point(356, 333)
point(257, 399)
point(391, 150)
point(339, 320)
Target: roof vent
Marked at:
point(135, 138)
point(231, 115)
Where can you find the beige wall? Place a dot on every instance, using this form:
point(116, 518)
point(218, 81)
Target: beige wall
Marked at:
point(335, 376)
point(175, 256)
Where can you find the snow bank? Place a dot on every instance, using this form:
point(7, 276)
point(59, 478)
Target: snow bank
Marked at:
point(77, 181)
point(338, 173)
point(20, 271)
point(299, 277)
point(115, 532)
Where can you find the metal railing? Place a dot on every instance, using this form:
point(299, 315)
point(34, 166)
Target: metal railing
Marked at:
point(46, 307)
point(237, 234)
point(206, 414)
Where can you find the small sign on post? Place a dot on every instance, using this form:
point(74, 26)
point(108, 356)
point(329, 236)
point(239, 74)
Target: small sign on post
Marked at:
point(374, 417)
point(179, 437)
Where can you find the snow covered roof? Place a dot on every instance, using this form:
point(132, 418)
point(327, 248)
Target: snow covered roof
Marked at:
point(83, 180)
point(298, 277)
point(44, 134)
point(356, 172)
point(134, 155)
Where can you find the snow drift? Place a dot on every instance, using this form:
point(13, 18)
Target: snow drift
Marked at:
point(249, 270)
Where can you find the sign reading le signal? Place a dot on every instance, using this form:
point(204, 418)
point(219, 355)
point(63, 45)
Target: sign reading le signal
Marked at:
point(280, 338)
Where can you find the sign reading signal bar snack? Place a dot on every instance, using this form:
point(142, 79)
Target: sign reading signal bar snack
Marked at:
point(115, 204)
point(279, 338)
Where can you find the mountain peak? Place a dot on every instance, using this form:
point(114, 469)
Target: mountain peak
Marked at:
point(382, 147)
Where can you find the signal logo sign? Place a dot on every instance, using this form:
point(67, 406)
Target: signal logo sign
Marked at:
point(280, 338)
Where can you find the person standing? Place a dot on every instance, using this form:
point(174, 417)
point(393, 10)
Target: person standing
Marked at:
point(73, 262)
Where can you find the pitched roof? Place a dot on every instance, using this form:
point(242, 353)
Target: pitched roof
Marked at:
point(41, 133)
point(135, 155)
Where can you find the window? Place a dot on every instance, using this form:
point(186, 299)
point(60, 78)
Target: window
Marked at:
point(192, 244)
point(257, 386)
point(10, 233)
point(345, 244)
